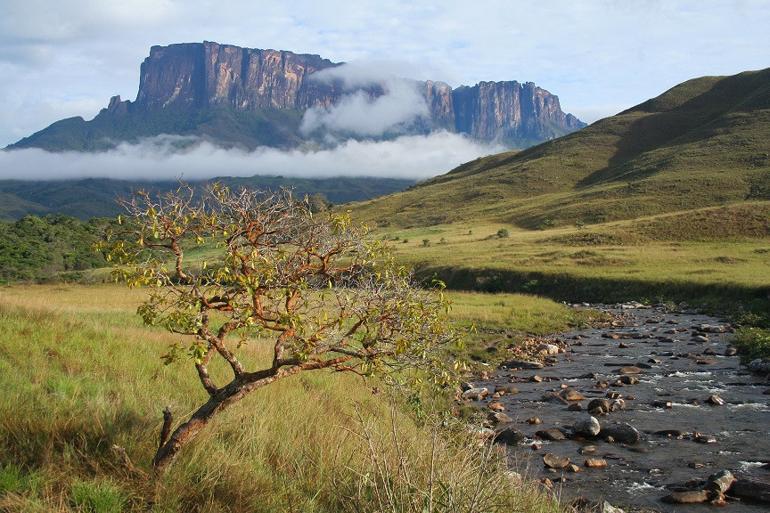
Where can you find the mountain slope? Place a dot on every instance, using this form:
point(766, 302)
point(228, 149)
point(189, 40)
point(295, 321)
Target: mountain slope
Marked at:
point(247, 97)
point(705, 142)
point(95, 197)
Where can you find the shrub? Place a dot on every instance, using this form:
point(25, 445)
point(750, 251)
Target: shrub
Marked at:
point(753, 343)
point(502, 233)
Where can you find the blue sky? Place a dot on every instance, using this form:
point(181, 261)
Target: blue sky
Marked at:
point(67, 57)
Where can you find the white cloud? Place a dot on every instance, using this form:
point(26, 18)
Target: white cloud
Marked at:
point(591, 53)
point(360, 112)
point(413, 157)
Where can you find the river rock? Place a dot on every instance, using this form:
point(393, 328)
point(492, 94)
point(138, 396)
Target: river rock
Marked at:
point(631, 369)
point(704, 439)
point(500, 418)
point(587, 449)
point(552, 434)
point(570, 394)
point(536, 379)
point(715, 400)
point(599, 406)
point(721, 481)
point(522, 364)
point(701, 338)
point(662, 404)
point(553, 461)
point(575, 407)
point(573, 468)
point(466, 385)
point(687, 497)
point(629, 380)
point(760, 365)
point(554, 397)
point(496, 406)
point(731, 351)
point(476, 394)
point(587, 425)
point(623, 433)
point(751, 490)
point(509, 436)
point(534, 421)
point(595, 463)
point(548, 349)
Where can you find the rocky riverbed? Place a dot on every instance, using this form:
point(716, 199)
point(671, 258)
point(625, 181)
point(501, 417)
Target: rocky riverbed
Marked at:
point(647, 413)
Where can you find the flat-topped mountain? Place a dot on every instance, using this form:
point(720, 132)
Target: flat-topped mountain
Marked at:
point(246, 97)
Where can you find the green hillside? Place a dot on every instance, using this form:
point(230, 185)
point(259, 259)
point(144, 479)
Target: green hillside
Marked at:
point(705, 142)
point(95, 197)
point(668, 200)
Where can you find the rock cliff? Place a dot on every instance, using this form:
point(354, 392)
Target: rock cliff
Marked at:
point(249, 97)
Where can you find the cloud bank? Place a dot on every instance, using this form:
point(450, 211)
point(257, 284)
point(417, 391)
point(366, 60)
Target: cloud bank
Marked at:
point(413, 157)
point(363, 110)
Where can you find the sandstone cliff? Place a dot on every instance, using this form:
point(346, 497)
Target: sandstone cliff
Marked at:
point(250, 97)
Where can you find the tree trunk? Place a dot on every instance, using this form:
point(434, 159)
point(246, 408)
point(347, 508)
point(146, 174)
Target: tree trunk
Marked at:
point(229, 394)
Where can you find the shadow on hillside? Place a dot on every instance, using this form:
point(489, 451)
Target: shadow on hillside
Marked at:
point(687, 122)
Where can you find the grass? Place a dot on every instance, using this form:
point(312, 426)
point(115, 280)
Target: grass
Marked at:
point(81, 375)
point(584, 255)
point(701, 144)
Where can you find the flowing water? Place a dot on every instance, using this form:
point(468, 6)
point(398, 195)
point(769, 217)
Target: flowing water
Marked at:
point(679, 367)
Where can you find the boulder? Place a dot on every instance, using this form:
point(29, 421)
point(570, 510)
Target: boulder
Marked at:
point(587, 425)
point(595, 463)
point(751, 490)
point(570, 394)
point(500, 418)
point(476, 393)
point(509, 436)
point(552, 434)
point(496, 406)
point(599, 406)
point(556, 462)
point(715, 400)
point(522, 364)
point(622, 433)
point(548, 349)
point(687, 497)
point(629, 380)
point(721, 481)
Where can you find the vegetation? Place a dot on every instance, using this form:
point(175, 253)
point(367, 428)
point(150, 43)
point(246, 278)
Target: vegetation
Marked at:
point(39, 248)
point(703, 143)
point(88, 377)
point(95, 197)
point(329, 299)
point(753, 342)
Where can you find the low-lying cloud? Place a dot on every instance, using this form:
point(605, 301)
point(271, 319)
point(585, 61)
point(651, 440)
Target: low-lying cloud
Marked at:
point(160, 158)
point(363, 111)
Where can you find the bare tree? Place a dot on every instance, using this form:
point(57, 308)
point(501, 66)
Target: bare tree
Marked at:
point(313, 286)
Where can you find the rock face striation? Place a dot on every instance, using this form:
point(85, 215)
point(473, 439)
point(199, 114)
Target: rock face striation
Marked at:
point(249, 97)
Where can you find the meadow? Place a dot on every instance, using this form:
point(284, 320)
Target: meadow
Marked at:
point(83, 389)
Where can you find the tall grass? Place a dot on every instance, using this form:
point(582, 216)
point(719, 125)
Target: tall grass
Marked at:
point(83, 390)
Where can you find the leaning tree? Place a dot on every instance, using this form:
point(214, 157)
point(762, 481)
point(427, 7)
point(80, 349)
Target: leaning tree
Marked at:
point(313, 287)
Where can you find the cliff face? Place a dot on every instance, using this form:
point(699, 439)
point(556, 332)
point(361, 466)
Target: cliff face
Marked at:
point(251, 97)
point(208, 74)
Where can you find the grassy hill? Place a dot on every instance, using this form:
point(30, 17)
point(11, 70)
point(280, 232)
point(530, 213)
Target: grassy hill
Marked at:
point(703, 143)
point(668, 200)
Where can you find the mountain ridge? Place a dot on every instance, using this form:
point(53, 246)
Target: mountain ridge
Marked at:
point(704, 142)
point(246, 97)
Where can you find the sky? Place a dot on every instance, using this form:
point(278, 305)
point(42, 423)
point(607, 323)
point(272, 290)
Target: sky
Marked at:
point(67, 57)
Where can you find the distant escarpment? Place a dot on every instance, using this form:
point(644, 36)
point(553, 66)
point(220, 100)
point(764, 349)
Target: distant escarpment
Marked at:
point(245, 97)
